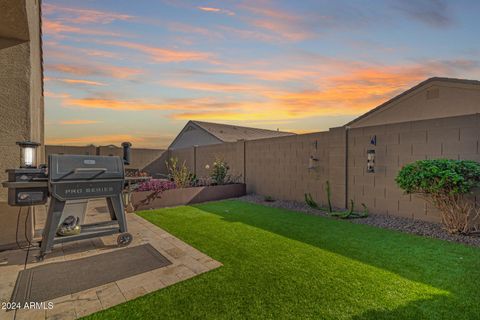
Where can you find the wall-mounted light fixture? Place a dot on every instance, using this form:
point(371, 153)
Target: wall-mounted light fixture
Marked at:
point(28, 154)
point(371, 161)
point(312, 162)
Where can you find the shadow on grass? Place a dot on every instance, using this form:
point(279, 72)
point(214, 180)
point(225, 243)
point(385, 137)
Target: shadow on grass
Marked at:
point(452, 267)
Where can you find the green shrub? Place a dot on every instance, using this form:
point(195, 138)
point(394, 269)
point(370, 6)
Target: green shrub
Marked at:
point(268, 199)
point(179, 173)
point(446, 184)
point(219, 173)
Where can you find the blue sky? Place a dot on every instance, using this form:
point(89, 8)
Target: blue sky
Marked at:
point(138, 70)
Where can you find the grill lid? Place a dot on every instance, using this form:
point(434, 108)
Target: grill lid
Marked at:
point(84, 167)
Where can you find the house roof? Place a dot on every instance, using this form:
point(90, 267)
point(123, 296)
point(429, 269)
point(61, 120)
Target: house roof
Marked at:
point(232, 133)
point(405, 93)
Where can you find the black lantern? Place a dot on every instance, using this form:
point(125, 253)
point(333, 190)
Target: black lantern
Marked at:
point(28, 154)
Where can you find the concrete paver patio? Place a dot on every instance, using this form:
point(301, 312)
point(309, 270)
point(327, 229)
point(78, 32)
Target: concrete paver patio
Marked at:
point(186, 261)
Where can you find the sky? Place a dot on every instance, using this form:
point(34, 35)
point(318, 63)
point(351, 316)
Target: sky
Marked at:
point(122, 70)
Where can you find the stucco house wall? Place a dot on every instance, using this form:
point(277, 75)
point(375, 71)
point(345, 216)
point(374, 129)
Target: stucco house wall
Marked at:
point(432, 99)
point(21, 99)
point(192, 135)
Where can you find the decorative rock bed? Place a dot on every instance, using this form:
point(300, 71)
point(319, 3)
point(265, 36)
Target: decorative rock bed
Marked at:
point(417, 227)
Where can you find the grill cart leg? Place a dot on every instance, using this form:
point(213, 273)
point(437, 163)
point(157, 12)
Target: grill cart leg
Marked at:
point(115, 204)
point(54, 214)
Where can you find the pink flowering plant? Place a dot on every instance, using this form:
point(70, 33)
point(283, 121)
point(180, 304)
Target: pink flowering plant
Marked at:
point(157, 187)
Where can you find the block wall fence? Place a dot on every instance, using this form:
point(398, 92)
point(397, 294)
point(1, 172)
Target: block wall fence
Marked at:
point(279, 167)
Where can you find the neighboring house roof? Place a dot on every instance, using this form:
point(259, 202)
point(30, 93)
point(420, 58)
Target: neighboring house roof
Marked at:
point(229, 133)
point(388, 103)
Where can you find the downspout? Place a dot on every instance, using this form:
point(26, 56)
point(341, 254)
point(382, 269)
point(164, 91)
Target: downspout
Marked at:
point(347, 129)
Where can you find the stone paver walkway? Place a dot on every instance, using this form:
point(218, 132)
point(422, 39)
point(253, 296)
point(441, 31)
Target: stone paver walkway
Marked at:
point(186, 261)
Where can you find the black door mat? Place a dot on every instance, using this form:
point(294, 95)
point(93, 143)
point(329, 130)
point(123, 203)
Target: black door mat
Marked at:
point(54, 280)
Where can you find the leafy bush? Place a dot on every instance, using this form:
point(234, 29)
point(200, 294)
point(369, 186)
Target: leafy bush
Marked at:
point(446, 184)
point(219, 173)
point(268, 199)
point(179, 173)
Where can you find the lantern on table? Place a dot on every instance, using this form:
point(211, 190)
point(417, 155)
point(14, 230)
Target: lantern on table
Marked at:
point(28, 154)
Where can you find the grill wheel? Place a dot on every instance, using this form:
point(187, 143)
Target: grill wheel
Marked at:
point(124, 239)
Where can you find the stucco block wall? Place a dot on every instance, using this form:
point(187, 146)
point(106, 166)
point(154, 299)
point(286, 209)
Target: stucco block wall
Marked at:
point(399, 144)
point(279, 167)
point(232, 153)
point(186, 155)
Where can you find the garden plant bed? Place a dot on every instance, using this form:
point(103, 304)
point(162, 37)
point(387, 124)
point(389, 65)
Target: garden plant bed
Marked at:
point(278, 264)
point(412, 226)
point(191, 195)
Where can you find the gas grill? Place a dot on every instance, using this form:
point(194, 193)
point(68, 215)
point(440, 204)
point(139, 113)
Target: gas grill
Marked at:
point(73, 177)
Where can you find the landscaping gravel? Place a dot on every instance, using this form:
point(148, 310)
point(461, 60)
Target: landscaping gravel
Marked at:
point(417, 227)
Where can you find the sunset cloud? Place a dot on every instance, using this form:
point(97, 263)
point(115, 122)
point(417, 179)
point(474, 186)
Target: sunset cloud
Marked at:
point(51, 27)
point(55, 95)
point(97, 139)
point(217, 10)
point(78, 122)
point(214, 87)
point(75, 81)
point(158, 54)
point(285, 24)
point(94, 70)
point(83, 16)
point(119, 105)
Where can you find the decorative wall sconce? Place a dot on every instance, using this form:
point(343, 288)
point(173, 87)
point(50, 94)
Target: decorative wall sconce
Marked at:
point(28, 154)
point(370, 161)
point(312, 162)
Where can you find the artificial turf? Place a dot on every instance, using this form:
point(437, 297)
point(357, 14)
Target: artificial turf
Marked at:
point(280, 264)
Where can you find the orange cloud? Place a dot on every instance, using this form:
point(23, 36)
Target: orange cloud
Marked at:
point(78, 122)
point(285, 24)
point(217, 10)
point(119, 105)
point(270, 75)
point(98, 140)
point(205, 104)
point(214, 87)
point(56, 28)
point(75, 81)
point(83, 16)
point(103, 70)
point(348, 94)
point(56, 95)
point(161, 54)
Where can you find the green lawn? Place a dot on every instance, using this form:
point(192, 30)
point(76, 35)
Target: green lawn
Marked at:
point(280, 264)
